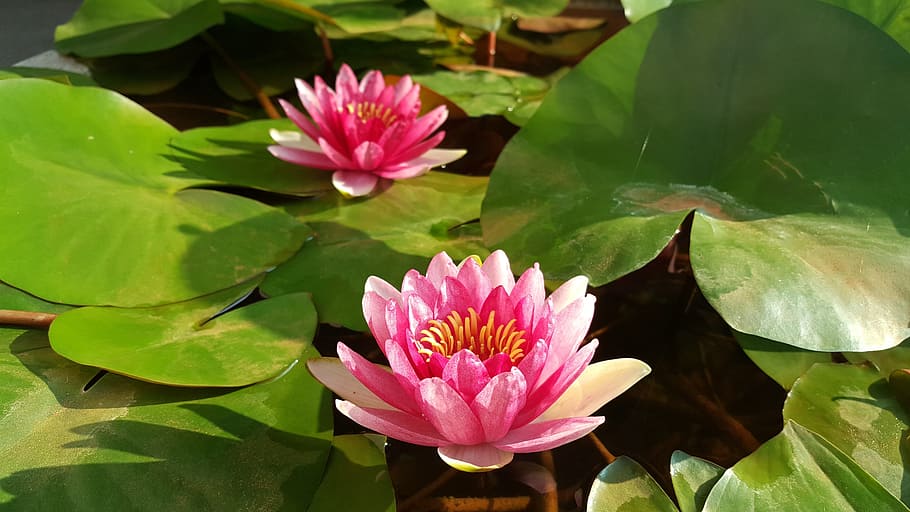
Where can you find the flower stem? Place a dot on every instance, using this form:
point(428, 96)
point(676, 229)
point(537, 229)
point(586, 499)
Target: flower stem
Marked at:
point(471, 504)
point(326, 46)
point(30, 319)
point(607, 455)
point(491, 49)
point(254, 88)
point(426, 490)
point(550, 498)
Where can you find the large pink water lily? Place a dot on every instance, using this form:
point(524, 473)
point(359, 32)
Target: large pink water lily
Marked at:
point(363, 131)
point(482, 366)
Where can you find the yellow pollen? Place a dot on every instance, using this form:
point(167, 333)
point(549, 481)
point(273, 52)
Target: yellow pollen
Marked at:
point(368, 110)
point(486, 339)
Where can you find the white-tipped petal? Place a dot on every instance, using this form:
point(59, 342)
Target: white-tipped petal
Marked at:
point(569, 292)
point(354, 183)
point(333, 374)
point(497, 268)
point(380, 287)
point(476, 458)
point(294, 140)
point(598, 384)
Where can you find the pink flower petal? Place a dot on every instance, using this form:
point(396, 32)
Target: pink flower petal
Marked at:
point(531, 284)
point(497, 364)
point(346, 84)
point(533, 362)
point(402, 366)
point(374, 313)
point(497, 268)
point(466, 374)
point(475, 282)
point(340, 159)
point(498, 403)
point(300, 120)
point(402, 89)
point(454, 296)
point(372, 85)
point(334, 375)
point(441, 267)
point(497, 302)
point(354, 183)
point(395, 424)
point(424, 125)
point(368, 155)
point(419, 314)
point(304, 158)
point(444, 408)
point(598, 384)
point(409, 153)
point(571, 326)
point(421, 286)
point(547, 435)
point(472, 459)
point(310, 101)
point(569, 292)
point(383, 384)
point(552, 387)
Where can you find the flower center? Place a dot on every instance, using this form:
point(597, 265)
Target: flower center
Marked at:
point(486, 339)
point(367, 111)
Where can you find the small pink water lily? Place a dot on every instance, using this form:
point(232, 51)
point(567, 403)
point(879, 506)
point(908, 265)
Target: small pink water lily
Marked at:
point(363, 131)
point(482, 366)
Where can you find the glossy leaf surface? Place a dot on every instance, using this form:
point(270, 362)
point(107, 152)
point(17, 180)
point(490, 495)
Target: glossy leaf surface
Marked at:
point(789, 241)
point(693, 479)
point(625, 486)
point(97, 213)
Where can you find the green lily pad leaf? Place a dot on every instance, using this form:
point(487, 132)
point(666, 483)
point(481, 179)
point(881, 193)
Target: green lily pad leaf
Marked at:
point(272, 59)
point(488, 93)
point(356, 462)
point(365, 17)
point(267, 14)
point(783, 363)
point(237, 155)
point(635, 10)
point(127, 445)
point(12, 298)
point(797, 458)
point(102, 28)
point(385, 235)
point(693, 479)
point(97, 214)
point(148, 73)
point(560, 44)
point(417, 26)
point(885, 361)
point(488, 14)
point(183, 345)
point(789, 241)
point(625, 486)
point(56, 75)
point(854, 408)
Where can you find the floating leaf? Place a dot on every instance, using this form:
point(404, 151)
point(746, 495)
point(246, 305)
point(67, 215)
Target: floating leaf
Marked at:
point(487, 93)
point(95, 213)
point(854, 408)
point(183, 345)
point(886, 361)
point(148, 73)
point(385, 235)
point(12, 298)
point(488, 14)
point(626, 486)
point(800, 230)
point(128, 445)
point(798, 459)
point(237, 155)
point(783, 363)
point(56, 75)
point(102, 28)
point(693, 479)
point(356, 462)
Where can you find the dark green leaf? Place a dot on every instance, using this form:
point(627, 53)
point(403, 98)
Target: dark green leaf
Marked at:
point(357, 476)
point(783, 363)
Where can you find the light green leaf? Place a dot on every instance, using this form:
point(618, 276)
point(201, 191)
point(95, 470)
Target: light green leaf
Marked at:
point(237, 155)
point(183, 345)
point(96, 213)
point(112, 27)
point(625, 486)
point(783, 363)
point(854, 408)
point(800, 233)
point(886, 361)
point(56, 75)
point(799, 470)
point(356, 463)
point(693, 479)
point(128, 445)
point(488, 93)
point(386, 235)
point(488, 14)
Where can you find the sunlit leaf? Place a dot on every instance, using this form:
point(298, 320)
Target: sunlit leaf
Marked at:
point(488, 14)
point(783, 363)
point(128, 445)
point(356, 462)
point(854, 408)
point(113, 27)
point(794, 167)
point(385, 235)
point(95, 211)
point(799, 470)
point(487, 93)
point(693, 479)
point(886, 361)
point(55, 75)
point(625, 486)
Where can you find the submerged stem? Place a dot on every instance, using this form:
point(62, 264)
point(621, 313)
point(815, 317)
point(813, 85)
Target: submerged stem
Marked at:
point(471, 504)
point(550, 498)
point(607, 455)
point(254, 88)
point(32, 319)
point(491, 49)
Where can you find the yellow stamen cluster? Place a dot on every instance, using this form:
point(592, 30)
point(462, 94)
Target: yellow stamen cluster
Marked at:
point(486, 339)
point(368, 110)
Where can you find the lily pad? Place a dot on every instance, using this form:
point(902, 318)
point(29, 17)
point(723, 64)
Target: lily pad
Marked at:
point(386, 235)
point(148, 73)
point(122, 444)
point(186, 344)
point(885, 361)
point(626, 486)
point(783, 363)
point(855, 409)
point(693, 479)
point(102, 28)
point(236, 155)
point(356, 462)
point(798, 459)
point(481, 93)
point(97, 214)
point(488, 14)
point(801, 232)
point(56, 75)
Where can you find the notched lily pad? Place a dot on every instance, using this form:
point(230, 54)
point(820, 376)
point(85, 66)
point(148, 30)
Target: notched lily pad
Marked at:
point(182, 344)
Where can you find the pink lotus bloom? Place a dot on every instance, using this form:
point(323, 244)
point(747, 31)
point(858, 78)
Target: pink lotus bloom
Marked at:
point(482, 366)
point(363, 131)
